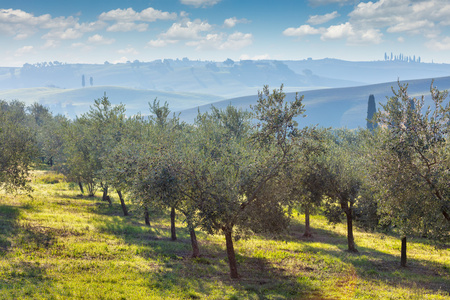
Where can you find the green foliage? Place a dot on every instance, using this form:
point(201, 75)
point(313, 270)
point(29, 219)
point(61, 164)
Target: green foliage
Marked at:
point(413, 163)
point(18, 146)
point(89, 141)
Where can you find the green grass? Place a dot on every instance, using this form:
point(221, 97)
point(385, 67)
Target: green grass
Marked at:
point(58, 245)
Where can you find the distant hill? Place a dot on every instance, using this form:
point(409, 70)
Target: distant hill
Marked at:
point(368, 72)
point(335, 91)
point(73, 102)
point(227, 79)
point(338, 107)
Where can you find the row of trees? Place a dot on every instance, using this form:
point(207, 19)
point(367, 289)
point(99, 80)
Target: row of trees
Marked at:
point(83, 81)
point(401, 57)
point(235, 172)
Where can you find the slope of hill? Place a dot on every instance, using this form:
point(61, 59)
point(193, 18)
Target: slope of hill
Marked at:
point(73, 102)
point(225, 79)
point(339, 107)
point(228, 79)
point(61, 245)
point(368, 72)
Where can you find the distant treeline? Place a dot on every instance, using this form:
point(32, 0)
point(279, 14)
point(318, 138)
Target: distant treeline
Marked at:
point(401, 57)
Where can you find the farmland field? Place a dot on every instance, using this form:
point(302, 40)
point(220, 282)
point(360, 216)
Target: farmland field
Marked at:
point(57, 244)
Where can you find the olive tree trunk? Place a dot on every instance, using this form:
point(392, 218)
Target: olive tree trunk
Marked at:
point(122, 203)
point(230, 253)
point(403, 252)
point(80, 185)
point(146, 216)
point(350, 239)
point(105, 196)
point(172, 224)
point(307, 223)
point(194, 243)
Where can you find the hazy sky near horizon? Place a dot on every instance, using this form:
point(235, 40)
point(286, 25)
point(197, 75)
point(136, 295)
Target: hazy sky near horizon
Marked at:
point(118, 31)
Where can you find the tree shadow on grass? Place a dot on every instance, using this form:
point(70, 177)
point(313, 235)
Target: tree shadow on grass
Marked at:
point(8, 226)
point(24, 238)
point(373, 265)
point(209, 275)
point(25, 235)
point(204, 276)
point(260, 277)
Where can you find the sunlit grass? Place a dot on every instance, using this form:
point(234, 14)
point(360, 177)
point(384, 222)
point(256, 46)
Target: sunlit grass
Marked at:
point(59, 245)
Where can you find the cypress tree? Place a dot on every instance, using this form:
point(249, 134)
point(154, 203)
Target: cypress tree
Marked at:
point(371, 110)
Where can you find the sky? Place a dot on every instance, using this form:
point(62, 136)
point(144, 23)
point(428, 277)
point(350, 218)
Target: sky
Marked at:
point(82, 31)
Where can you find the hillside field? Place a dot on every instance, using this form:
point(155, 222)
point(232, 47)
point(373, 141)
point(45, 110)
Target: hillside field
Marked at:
point(57, 244)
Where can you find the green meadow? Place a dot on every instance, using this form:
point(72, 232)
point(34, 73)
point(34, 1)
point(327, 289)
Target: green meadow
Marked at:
point(57, 244)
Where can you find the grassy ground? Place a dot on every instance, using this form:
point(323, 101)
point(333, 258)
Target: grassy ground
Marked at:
point(58, 245)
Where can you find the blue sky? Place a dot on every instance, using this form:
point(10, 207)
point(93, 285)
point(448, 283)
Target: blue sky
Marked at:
point(118, 31)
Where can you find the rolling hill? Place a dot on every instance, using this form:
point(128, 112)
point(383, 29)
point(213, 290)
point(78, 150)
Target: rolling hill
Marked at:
point(337, 107)
point(336, 91)
point(73, 102)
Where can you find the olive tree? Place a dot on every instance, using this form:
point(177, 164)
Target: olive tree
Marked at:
point(343, 178)
point(305, 178)
point(18, 146)
point(232, 165)
point(413, 163)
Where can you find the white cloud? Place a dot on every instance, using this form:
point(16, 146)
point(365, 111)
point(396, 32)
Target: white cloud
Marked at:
point(60, 22)
point(127, 26)
point(129, 20)
point(186, 31)
point(409, 16)
point(100, 40)
point(24, 50)
point(151, 15)
point(128, 50)
point(16, 18)
point(74, 32)
point(130, 15)
point(442, 45)
point(235, 41)
point(23, 25)
point(231, 22)
point(21, 36)
point(401, 39)
point(51, 44)
point(200, 3)
point(82, 46)
point(120, 15)
point(352, 35)
point(159, 43)
point(368, 36)
point(210, 41)
point(338, 32)
point(411, 26)
point(20, 23)
point(67, 34)
point(301, 31)
point(320, 19)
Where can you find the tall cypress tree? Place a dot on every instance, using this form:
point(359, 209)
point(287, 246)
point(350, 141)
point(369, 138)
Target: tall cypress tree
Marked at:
point(371, 110)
